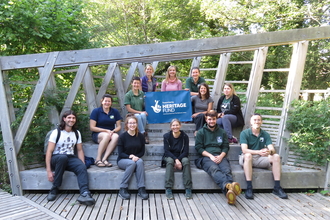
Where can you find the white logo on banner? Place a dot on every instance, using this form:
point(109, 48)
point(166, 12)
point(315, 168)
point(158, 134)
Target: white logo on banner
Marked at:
point(157, 108)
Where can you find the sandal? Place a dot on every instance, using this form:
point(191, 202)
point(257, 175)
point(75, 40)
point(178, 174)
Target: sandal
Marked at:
point(106, 163)
point(99, 163)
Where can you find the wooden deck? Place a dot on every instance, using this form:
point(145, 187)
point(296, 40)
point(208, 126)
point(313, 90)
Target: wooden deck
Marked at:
point(202, 206)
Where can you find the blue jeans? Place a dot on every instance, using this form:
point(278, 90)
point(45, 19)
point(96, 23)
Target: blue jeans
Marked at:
point(227, 122)
point(61, 162)
point(220, 173)
point(130, 167)
point(142, 121)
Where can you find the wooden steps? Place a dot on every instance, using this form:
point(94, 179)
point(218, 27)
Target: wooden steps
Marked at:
point(104, 178)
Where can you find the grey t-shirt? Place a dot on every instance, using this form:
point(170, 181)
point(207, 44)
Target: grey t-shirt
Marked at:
point(200, 105)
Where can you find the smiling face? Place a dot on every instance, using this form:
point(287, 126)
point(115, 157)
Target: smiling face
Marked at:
point(131, 124)
point(202, 90)
point(136, 84)
point(69, 120)
point(106, 102)
point(195, 74)
point(211, 121)
point(256, 121)
point(227, 90)
point(172, 72)
point(175, 126)
point(149, 71)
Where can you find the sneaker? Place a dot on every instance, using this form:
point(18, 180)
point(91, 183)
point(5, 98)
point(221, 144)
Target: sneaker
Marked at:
point(86, 199)
point(234, 140)
point(188, 194)
point(280, 193)
point(235, 187)
point(142, 193)
point(52, 193)
point(249, 193)
point(169, 194)
point(124, 194)
point(231, 196)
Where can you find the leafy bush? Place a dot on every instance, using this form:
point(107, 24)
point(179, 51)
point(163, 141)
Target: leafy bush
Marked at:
point(309, 124)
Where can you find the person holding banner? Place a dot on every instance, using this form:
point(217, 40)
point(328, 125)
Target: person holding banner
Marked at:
point(171, 81)
point(131, 147)
point(212, 146)
point(134, 102)
point(149, 82)
point(176, 148)
point(193, 82)
point(229, 111)
point(202, 103)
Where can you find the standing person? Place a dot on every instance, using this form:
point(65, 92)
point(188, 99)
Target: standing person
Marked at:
point(202, 103)
point(149, 82)
point(131, 147)
point(171, 82)
point(134, 102)
point(258, 151)
point(105, 123)
point(176, 148)
point(194, 81)
point(229, 112)
point(60, 157)
point(212, 145)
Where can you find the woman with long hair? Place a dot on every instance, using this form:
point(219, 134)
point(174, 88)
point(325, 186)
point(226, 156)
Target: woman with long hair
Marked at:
point(229, 112)
point(171, 81)
point(131, 147)
point(149, 82)
point(105, 123)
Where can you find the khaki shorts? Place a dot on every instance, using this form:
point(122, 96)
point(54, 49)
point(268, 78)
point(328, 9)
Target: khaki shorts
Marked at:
point(257, 161)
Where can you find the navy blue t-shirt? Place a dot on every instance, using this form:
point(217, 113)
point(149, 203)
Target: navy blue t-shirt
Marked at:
point(103, 120)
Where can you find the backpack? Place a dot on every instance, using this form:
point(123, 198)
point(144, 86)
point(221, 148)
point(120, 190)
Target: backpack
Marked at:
point(57, 138)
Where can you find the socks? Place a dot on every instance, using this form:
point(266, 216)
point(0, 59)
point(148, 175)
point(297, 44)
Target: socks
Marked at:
point(249, 184)
point(277, 184)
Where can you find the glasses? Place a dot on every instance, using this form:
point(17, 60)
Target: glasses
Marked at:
point(132, 123)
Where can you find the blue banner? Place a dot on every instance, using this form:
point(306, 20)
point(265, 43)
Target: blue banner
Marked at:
point(162, 107)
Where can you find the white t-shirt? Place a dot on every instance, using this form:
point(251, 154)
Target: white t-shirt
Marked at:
point(66, 142)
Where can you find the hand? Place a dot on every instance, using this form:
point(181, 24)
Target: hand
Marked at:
point(50, 176)
point(220, 115)
point(110, 133)
point(218, 159)
point(135, 158)
point(178, 165)
point(194, 115)
point(264, 152)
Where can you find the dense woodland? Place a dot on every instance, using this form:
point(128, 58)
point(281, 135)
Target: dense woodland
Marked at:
point(38, 26)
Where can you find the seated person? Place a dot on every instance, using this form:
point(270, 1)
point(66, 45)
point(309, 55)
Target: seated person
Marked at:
point(194, 81)
point(134, 102)
point(258, 151)
point(176, 148)
point(171, 82)
point(149, 82)
point(212, 146)
point(229, 112)
point(202, 103)
point(105, 123)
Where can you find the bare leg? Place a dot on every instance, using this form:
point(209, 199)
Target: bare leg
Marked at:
point(111, 146)
point(276, 161)
point(103, 139)
point(248, 166)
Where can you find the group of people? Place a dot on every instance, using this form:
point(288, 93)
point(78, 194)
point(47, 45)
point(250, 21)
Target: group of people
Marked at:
point(213, 134)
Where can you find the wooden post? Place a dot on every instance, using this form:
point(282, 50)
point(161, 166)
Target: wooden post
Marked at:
point(254, 84)
point(220, 77)
point(75, 87)
point(8, 142)
point(129, 75)
point(90, 92)
point(196, 62)
point(106, 81)
point(292, 92)
point(120, 90)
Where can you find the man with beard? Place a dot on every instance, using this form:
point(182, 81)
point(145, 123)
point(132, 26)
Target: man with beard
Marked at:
point(212, 145)
point(60, 157)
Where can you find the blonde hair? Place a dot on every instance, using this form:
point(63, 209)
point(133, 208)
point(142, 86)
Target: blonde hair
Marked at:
point(149, 65)
point(232, 88)
point(167, 77)
point(128, 117)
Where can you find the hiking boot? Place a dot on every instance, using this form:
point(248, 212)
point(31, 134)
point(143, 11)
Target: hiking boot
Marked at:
point(231, 196)
point(124, 194)
point(142, 193)
point(280, 193)
point(249, 193)
point(188, 194)
point(235, 187)
point(86, 199)
point(52, 193)
point(146, 138)
point(169, 194)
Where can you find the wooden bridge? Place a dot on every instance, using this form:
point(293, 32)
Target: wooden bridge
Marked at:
point(81, 62)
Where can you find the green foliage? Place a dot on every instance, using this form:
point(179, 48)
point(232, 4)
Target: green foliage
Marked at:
point(36, 26)
point(309, 124)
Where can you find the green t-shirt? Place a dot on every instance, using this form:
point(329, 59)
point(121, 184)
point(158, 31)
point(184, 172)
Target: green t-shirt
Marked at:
point(254, 142)
point(225, 105)
point(136, 101)
point(190, 84)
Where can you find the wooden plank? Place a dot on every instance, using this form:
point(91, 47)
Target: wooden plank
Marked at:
point(140, 209)
point(267, 205)
point(74, 88)
point(112, 204)
point(292, 92)
point(200, 203)
point(131, 210)
point(180, 205)
point(253, 88)
point(168, 50)
point(100, 207)
point(90, 92)
point(166, 206)
point(146, 213)
point(174, 213)
point(130, 75)
point(120, 90)
point(219, 210)
point(220, 77)
point(71, 208)
point(160, 212)
point(187, 208)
